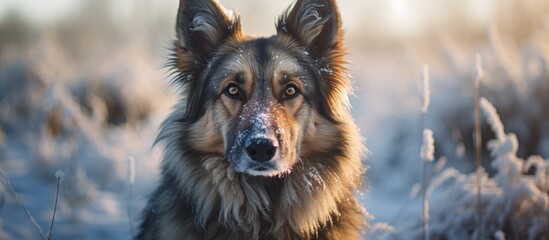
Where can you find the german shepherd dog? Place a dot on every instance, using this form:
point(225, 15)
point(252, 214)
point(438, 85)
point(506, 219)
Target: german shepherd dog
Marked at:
point(261, 144)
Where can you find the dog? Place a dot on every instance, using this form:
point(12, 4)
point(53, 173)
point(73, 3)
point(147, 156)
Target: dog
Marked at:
point(261, 144)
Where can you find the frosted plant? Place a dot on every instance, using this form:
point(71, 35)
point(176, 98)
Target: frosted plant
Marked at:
point(478, 143)
point(428, 147)
point(60, 177)
point(381, 230)
point(426, 90)
point(515, 204)
point(131, 181)
point(131, 170)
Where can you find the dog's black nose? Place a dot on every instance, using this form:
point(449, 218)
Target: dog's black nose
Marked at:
point(260, 150)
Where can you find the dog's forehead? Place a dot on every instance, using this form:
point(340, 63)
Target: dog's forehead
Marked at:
point(261, 59)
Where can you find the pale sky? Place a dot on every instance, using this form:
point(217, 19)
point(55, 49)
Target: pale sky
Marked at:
point(400, 17)
point(39, 11)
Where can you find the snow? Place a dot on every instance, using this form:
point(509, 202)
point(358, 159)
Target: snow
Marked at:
point(314, 180)
point(93, 113)
point(60, 175)
point(131, 170)
point(394, 137)
point(428, 148)
point(380, 230)
point(510, 195)
point(440, 164)
point(415, 191)
point(493, 118)
point(499, 235)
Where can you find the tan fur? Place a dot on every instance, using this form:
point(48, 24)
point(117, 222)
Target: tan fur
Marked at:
point(207, 189)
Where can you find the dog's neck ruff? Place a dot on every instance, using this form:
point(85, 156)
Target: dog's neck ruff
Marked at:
point(306, 201)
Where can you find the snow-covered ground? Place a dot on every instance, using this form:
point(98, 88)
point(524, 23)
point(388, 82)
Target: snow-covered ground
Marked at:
point(87, 95)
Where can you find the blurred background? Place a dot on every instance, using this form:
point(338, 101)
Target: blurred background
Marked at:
point(83, 90)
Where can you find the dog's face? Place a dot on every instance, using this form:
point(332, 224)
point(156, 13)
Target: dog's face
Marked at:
point(257, 101)
point(263, 94)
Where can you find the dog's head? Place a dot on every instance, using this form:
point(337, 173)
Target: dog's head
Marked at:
point(261, 102)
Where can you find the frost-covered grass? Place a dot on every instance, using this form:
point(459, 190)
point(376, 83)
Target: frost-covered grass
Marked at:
point(56, 113)
point(87, 110)
point(514, 202)
point(59, 135)
point(513, 194)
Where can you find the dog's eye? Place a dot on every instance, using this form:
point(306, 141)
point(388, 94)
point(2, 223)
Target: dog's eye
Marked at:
point(233, 91)
point(291, 91)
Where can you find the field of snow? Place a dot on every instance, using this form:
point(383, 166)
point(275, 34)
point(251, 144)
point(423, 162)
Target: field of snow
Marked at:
point(85, 94)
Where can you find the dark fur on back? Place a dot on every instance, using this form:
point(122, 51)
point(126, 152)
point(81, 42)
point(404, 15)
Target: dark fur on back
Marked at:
point(292, 89)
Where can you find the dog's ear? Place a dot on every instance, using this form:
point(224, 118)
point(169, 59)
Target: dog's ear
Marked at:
point(202, 25)
point(315, 23)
